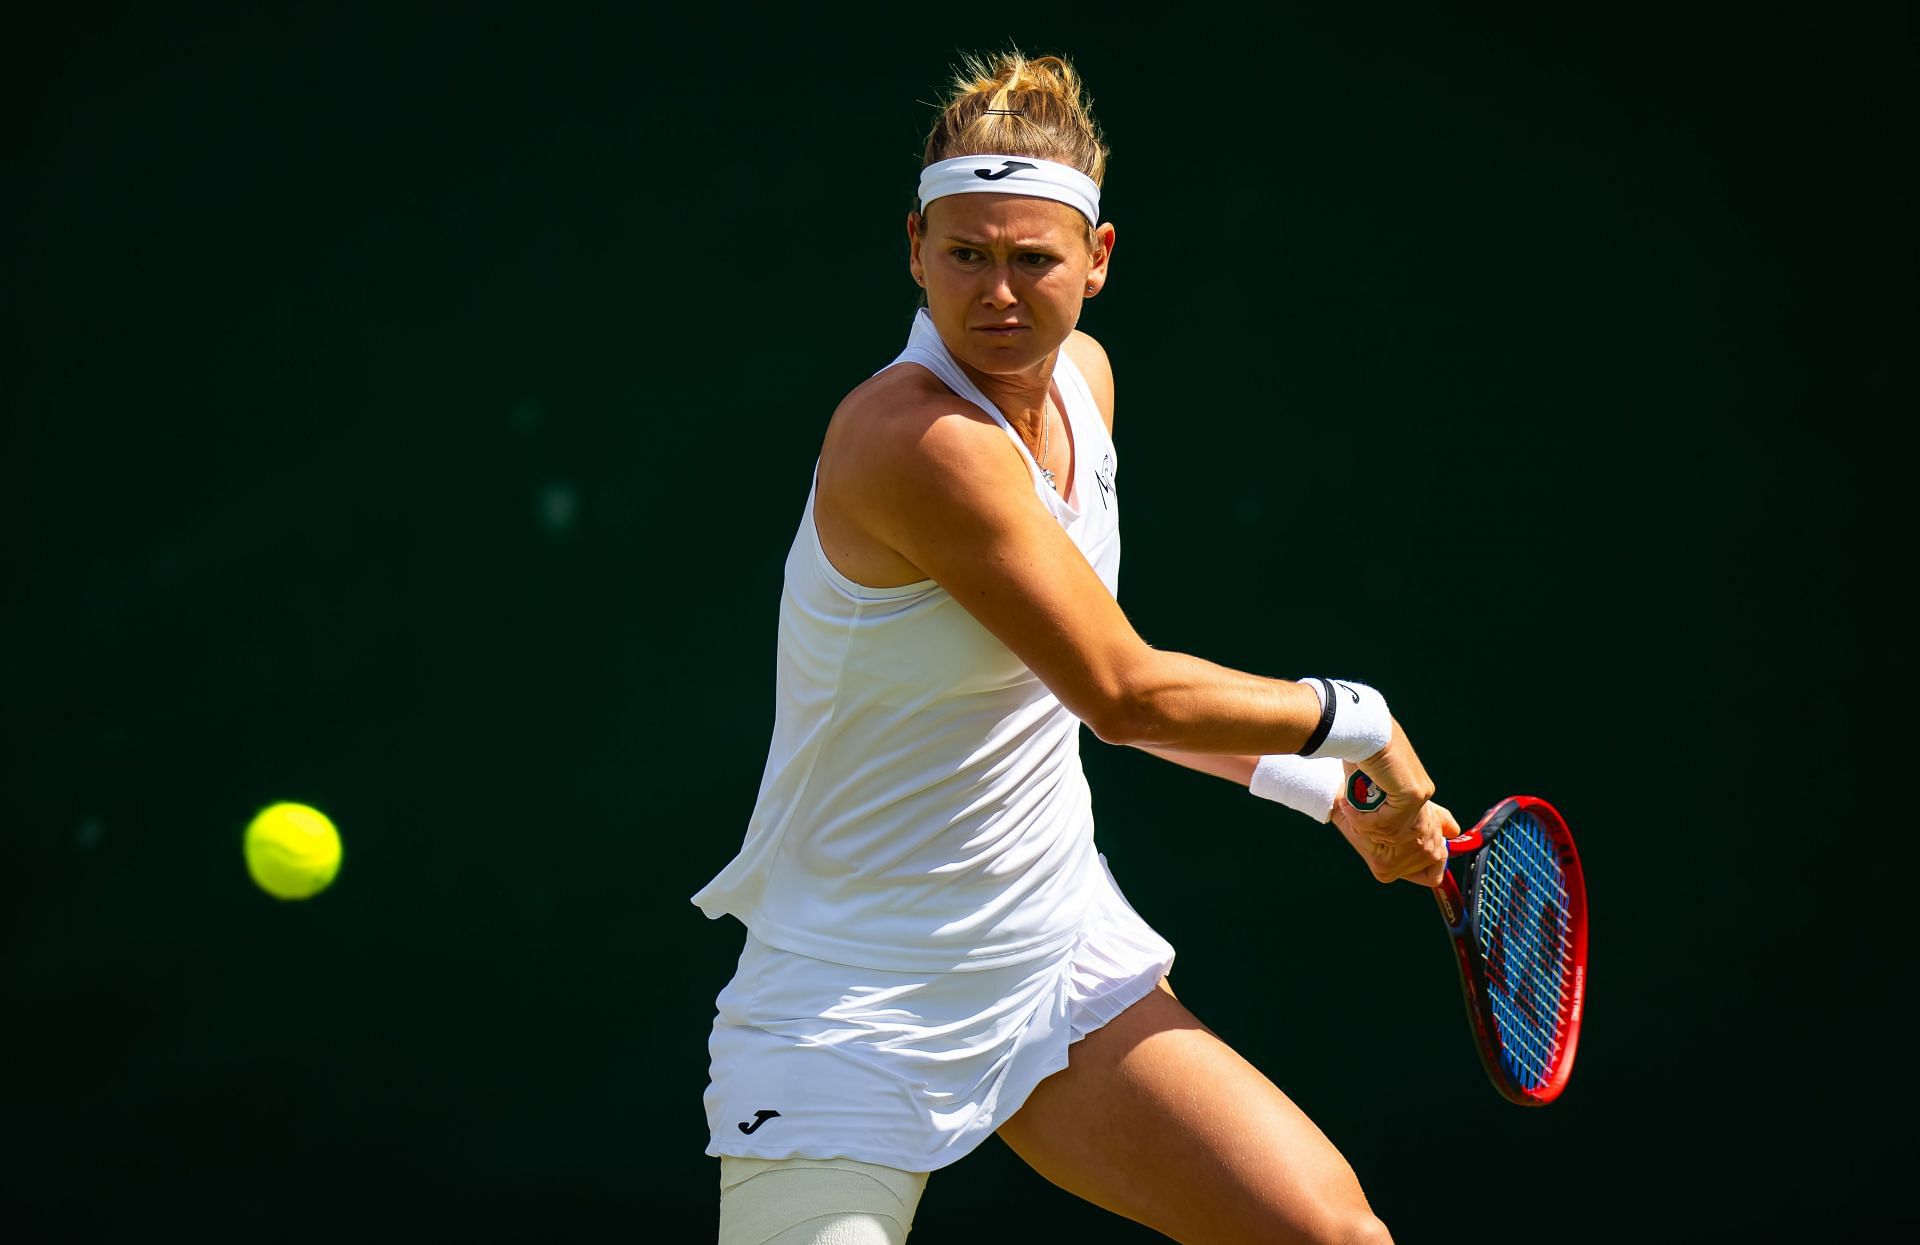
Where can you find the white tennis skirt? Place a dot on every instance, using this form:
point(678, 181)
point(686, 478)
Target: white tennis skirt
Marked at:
point(812, 1059)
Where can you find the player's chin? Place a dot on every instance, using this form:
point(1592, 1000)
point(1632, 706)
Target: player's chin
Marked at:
point(1021, 343)
point(1030, 342)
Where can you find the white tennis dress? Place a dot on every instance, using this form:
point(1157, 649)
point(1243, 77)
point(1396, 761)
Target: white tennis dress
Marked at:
point(929, 924)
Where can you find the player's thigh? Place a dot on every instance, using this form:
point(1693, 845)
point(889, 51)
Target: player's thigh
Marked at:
point(1157, 1119)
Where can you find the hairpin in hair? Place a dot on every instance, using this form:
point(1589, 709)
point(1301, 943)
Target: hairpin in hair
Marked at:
point(1008, 112)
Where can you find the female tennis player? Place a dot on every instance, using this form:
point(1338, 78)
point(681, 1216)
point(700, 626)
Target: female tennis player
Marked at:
point(935, 950)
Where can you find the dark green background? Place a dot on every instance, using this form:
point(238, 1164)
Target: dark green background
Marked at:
point(409, 415)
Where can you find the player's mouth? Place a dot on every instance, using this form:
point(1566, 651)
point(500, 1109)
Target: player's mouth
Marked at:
point(1001, 330)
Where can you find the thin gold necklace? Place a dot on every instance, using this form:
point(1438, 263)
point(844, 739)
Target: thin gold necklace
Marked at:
point(1046, 439)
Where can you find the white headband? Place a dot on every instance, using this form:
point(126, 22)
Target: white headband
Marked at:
point(1011, 175)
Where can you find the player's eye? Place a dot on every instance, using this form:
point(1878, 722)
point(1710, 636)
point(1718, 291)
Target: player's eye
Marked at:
point(965, 254)
point(1036, 259)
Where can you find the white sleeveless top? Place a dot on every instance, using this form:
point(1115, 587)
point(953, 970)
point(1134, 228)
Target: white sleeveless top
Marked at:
point(923, 806)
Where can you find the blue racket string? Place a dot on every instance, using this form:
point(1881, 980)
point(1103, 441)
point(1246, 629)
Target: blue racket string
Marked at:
point(1522, 931)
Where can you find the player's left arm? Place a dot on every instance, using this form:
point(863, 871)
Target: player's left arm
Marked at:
point(1235, 769)
point(1310, 787)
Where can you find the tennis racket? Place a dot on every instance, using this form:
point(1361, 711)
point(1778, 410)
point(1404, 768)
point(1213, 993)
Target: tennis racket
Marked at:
point(1515, 901)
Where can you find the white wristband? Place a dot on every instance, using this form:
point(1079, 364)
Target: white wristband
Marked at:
point(1354, 722)
point(1301, 783)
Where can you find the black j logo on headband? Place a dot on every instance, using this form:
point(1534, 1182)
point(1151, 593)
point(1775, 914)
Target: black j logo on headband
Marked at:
point(1006, 167)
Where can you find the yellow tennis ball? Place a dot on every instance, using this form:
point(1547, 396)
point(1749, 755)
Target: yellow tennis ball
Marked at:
point(292, 851)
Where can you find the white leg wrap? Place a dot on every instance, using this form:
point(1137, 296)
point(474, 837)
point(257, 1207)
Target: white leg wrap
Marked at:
point(816, 1202)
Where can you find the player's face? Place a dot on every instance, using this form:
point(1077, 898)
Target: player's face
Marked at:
point(1005, 276)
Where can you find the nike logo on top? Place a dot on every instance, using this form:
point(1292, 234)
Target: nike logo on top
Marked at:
point(759, 1118)
point(1006, 167)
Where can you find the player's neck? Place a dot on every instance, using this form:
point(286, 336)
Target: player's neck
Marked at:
point(1021, 396)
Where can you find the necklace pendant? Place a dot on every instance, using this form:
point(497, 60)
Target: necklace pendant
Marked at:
point(1046, 473)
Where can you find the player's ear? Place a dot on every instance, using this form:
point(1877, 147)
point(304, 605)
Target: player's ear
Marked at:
point(914, 265)
point(1103, 238)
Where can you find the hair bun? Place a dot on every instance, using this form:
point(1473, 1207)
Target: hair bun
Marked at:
point(1007, 104)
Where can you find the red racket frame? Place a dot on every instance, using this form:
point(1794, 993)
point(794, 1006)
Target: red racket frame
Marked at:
point(1454, 906)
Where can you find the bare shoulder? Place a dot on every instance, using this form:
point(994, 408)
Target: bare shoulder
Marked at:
point(1091, 358)
point(888, 397)
point(905, 419)
point(901, 441)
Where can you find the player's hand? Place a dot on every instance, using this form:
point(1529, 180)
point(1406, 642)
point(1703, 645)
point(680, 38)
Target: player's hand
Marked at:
point(1419, 854)
point(1406, 837)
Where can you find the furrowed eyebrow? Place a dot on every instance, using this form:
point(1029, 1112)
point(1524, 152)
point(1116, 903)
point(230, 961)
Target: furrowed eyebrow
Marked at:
point(1019, 244)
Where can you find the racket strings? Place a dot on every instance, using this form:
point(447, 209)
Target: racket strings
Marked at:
point(1526, 941)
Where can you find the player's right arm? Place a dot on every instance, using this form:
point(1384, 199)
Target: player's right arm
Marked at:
point(921, 473)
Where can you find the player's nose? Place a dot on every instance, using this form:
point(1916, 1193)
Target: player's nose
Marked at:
point(999, 290)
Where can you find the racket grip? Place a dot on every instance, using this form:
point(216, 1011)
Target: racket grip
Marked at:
point(1452, 905)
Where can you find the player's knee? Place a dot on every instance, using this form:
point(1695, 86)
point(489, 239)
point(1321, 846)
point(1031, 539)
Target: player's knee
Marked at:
point(1331, 1226)
point(1333, 1223)
point(1360, 1229)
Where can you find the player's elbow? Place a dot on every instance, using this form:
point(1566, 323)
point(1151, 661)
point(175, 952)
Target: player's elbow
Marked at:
point(1134, 694)
point(1126, 710)
point(1116, 721)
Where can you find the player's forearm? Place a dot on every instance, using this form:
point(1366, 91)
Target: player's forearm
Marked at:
point(1182, 703)
point(1235, 769)
point(1306, 786)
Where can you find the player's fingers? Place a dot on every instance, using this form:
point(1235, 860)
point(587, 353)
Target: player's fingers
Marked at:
point(1389, 825)
point(1431, 875)
point(1383, 862)
point(1449, 824)
point(1404, 862)
point(1423, 860)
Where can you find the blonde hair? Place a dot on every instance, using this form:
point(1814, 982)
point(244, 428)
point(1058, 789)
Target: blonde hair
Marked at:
point(1008, 105)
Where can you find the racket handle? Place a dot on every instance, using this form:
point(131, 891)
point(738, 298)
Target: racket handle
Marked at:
point(1365, 795)
point(1452, 905)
